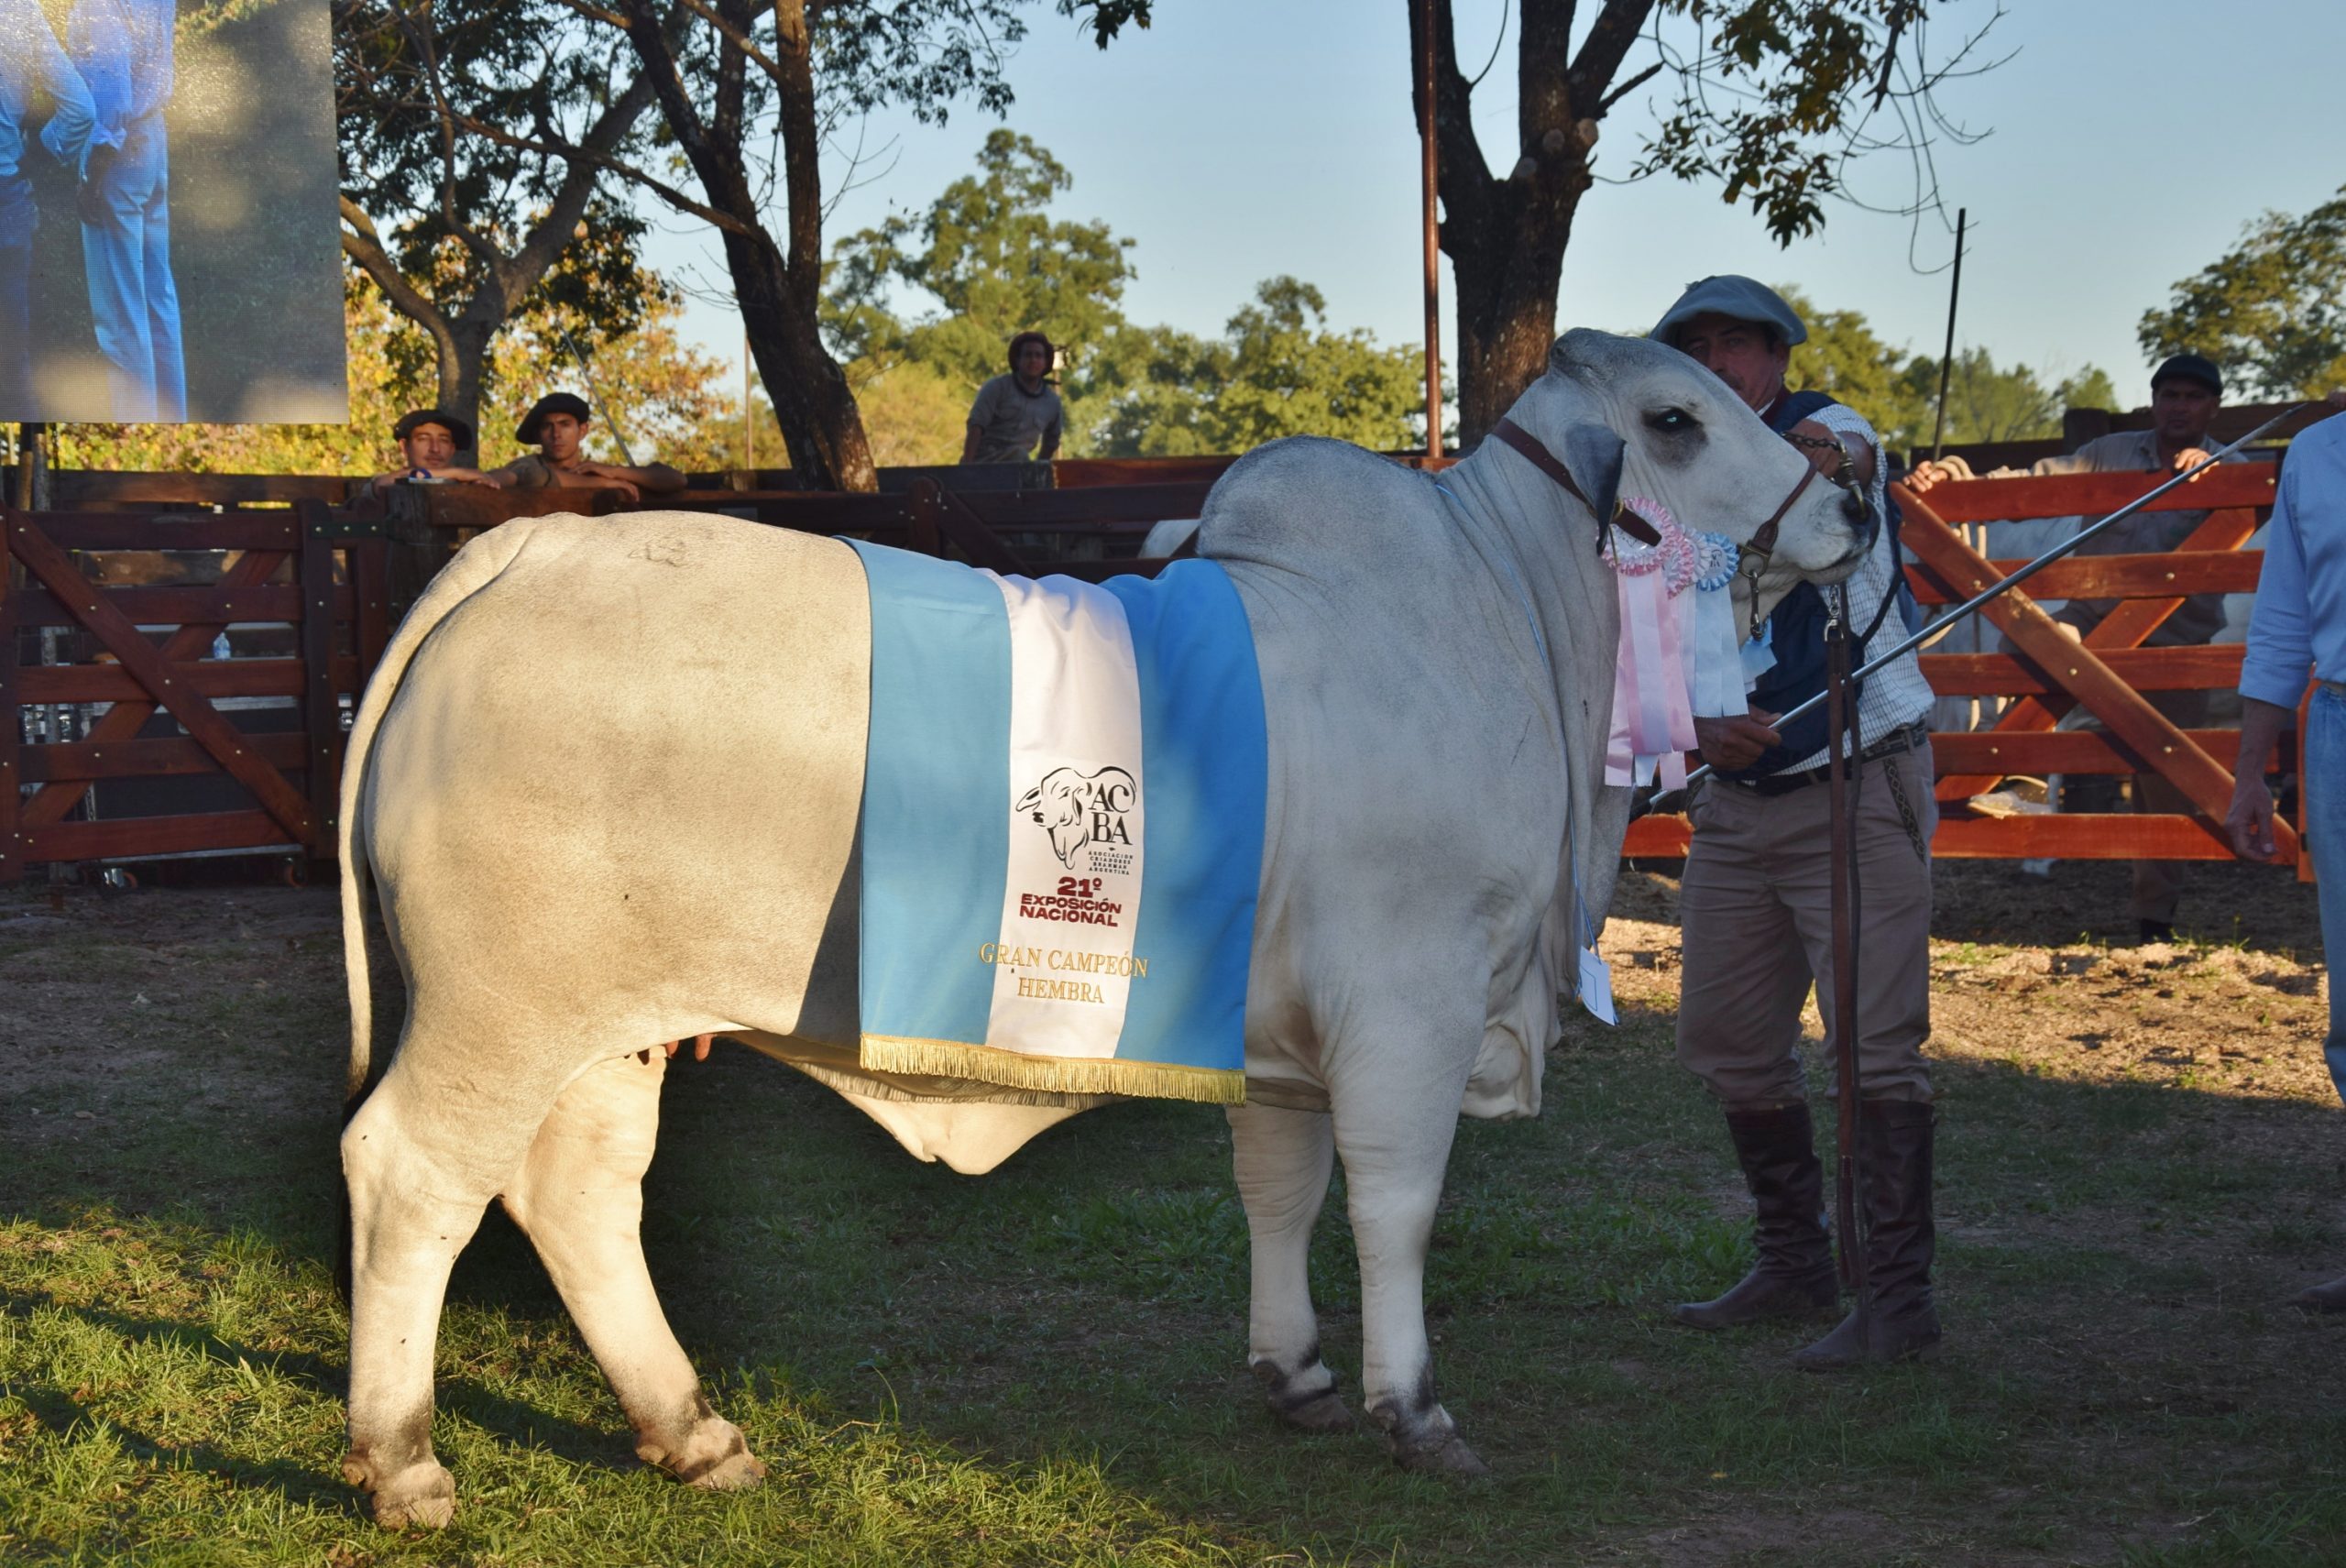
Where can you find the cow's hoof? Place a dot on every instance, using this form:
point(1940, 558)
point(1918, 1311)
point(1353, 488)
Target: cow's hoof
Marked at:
point(734, 1473)
point(714, 1456)
point(1306, 1400)
point(423, 1495)
point(1445, 1456)
point(1322, 1413)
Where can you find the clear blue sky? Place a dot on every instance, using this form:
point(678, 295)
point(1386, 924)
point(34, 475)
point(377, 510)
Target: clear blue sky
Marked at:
point(2130, 141)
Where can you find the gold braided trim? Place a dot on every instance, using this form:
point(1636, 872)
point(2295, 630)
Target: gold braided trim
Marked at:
point(1059, 1075)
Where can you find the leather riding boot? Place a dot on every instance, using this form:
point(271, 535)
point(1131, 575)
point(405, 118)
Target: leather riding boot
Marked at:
point(1894, 1155)
point(2329, 1298)
point(1794, 1277)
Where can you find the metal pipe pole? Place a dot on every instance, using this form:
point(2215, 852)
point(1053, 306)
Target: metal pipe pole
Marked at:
point(1431, 227)
point(611, 415)
point(1844, 863)
point(1972, 605)
point(1946, 360)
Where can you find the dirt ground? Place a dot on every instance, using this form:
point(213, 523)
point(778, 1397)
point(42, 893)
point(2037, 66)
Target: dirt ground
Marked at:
point(2040, 974)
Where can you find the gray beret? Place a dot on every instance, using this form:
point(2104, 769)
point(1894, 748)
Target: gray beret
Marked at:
point(1743, 299)
point(2190, 368)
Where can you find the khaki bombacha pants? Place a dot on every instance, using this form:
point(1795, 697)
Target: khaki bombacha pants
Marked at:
point(1755, 909)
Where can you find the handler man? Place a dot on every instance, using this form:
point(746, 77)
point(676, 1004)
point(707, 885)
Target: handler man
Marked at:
point(2299, 628)
point(2185, 393)
point(1756, 901)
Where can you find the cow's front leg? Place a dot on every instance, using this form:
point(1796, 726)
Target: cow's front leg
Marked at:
point(1282, 1159)
point(579, 1198)
point(1394, 1139)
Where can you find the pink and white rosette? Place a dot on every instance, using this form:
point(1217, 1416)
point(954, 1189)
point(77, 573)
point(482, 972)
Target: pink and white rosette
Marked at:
point(1678, 654)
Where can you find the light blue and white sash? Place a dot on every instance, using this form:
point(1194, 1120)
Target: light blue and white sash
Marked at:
point(1063, 828)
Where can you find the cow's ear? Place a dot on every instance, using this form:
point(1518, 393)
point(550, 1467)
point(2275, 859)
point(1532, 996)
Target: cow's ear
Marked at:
point(1593, 455)
point(1030, 800)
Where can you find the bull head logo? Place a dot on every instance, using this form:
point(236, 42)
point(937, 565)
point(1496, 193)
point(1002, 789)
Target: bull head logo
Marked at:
point(1078, 808)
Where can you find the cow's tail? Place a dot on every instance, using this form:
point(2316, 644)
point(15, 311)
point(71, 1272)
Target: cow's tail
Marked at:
point(475, 566)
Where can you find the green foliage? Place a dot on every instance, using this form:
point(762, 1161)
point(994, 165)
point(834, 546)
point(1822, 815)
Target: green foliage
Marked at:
point(2271, 310)
point(988, 261)
point(995, 263)
point(1277, 370)
point(1897, 389)
point(1776, 95)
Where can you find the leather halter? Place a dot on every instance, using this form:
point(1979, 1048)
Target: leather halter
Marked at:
point(1628, 521)
point(1752, 556)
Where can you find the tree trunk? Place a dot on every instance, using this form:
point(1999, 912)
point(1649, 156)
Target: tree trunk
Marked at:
point(1505, 237)
point(777, 290)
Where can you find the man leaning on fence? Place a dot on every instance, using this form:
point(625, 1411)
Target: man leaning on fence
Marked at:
point(428, 441)
point(1756, 900)
point(2299, 629)
point(2185, 393)
point(556, 425)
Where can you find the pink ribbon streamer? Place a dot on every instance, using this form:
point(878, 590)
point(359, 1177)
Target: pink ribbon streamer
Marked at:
point(1653, 722)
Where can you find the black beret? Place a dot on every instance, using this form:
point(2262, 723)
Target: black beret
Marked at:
point(569, 403)
point(410, 424)
point(2191, 368)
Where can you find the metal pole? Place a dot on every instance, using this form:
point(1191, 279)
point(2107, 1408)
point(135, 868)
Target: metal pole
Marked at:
point(610, 416)
point(1432, 231)
point(1971, 606)
point(1946, 360)
point(1845, 957)
point(748, 431)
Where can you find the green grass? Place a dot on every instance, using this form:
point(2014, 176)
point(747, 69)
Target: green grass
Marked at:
point(1047, 1366)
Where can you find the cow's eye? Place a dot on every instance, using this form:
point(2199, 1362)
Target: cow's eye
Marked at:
point(1670, 420)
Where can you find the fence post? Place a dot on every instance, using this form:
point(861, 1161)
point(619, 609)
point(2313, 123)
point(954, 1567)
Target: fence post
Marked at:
point(413, 552)
point(321, 713)
point(12, 714)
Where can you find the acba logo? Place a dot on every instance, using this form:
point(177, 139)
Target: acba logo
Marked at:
point(1076, 808)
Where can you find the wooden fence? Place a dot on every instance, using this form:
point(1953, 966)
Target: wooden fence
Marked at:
point(2048, 672)
point(306, 598)
point(194, 751)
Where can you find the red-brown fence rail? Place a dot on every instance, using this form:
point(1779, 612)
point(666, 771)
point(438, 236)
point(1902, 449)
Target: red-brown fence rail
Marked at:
point(307, 598)
point(143, 740)
point(2047, 672)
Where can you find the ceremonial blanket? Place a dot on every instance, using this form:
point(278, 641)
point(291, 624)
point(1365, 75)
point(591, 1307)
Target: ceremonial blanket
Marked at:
point(1063, 828)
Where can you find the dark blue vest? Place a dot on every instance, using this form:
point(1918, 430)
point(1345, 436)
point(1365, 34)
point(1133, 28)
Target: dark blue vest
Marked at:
point(1797, 633)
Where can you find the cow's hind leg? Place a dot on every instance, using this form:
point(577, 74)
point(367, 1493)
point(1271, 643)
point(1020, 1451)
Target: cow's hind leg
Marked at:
point(1283, 1160)
point(1396, 1145)
point(418, 1180)
point(579, 1197)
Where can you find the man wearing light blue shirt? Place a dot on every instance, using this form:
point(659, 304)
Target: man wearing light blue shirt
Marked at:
point(30, 61)
point(2299, 629)
point(124, 49)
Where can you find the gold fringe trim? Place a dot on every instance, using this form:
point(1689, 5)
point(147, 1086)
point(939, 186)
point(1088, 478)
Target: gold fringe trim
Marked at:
point(1059, 1075)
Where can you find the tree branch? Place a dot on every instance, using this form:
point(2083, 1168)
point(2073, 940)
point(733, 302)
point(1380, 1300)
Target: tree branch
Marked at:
point(364, 246)
point(1608, 43)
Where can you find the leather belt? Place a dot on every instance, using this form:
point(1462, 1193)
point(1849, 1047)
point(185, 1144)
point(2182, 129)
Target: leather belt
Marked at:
point(1905, 738)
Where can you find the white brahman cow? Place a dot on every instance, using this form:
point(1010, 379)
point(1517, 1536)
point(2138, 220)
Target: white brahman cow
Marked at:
point(606, 780)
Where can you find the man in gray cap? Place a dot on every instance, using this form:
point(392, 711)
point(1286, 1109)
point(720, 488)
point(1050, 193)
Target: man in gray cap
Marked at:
point(2186, 392)
point(1756, 901)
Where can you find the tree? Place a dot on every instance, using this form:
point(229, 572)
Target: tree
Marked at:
point(1897, 389)
point(447, 209)
point(994, 261)
point(1772, 101)
point(1277, 371)
point(732, 78)
point(1988, 402)
point(2271, 310)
